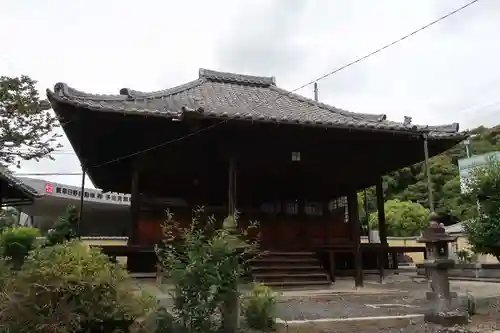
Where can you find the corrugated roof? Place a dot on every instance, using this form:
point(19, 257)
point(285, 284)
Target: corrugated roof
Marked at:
point(236, 96)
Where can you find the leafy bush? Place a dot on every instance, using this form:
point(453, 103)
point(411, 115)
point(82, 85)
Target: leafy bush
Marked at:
point(70, 288)
point(165, 322)
point(483, 232)
point(403, 218)
point(8, 217)
point(259, 308)
point(204, 265)
point(16, 243)
point(5, 273)
point(64, 228)
point(464, 256)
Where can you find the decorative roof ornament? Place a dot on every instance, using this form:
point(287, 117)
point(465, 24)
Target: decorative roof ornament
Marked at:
point(407, 121)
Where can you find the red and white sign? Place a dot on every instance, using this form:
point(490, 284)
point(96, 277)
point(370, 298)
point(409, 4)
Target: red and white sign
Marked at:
point(49, 188)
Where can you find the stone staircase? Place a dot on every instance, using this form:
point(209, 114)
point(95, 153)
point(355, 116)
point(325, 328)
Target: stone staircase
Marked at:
point(289, 269)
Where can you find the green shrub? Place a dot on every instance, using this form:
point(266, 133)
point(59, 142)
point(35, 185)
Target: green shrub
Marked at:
point(70, 288)
point(464, 256)
point(204, 265)
point(8, 217)
point(483, 232)
point(165, 322)
point(64, 228)
point(5, 273)
point(259, 308)
point(15, 244)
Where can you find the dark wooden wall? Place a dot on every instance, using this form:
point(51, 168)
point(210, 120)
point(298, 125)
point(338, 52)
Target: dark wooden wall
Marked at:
point(277, 231)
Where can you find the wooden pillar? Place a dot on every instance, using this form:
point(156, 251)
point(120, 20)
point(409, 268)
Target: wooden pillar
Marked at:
point(231, 306)
point(383, 254)
point(352, 205)
point(232, 186)
point(382, 227)
point(134, 208)
point(82, 196)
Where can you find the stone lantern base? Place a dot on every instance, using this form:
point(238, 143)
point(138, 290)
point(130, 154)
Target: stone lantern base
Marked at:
point(447, 319)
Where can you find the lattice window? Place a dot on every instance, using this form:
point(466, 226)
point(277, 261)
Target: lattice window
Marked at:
point(313, 208)
point(337, 203)
point(271, 208)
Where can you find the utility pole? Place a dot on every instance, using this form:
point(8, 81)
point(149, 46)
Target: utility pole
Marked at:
point(316, 91)
point(428, 173)
point(367, 216)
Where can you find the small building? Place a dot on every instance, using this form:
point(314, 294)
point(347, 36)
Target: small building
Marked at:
point(462, 243)
point(467, 166)
point(239, 142)
point(106, 213)
point(14, 192)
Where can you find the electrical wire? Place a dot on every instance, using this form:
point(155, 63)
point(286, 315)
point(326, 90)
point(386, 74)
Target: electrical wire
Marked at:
point(360, 59)
point(356, 61)
point(23, 174)
point(428, 25)
point(159, 145)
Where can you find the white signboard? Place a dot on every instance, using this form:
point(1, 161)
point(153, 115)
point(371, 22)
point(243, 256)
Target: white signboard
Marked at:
point(467, 165)
point(74, 192)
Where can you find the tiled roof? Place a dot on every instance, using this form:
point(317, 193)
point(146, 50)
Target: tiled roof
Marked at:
point(14, 182)
point(456, 228)
point(236, 96)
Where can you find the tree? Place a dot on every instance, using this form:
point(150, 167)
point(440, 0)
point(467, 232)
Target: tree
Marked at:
point(410, 183)
point(64, 228)
point(453, 203)
point(403, 218)
point(8, 217)
point(26, 124)
point(204, 264)
point(371, 204)
point(483, 232)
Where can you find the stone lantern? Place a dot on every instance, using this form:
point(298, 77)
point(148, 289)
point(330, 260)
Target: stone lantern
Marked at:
point(437, 265)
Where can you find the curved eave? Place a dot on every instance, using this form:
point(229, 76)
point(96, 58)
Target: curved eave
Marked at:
point(27, 191)
point(63, 94)
point(105, 106)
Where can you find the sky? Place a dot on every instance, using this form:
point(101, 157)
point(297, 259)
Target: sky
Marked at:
point(447, 73)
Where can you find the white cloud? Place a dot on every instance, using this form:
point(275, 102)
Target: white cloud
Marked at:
point(444, 74)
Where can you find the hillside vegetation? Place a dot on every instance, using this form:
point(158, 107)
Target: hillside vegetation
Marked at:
point(410, 184)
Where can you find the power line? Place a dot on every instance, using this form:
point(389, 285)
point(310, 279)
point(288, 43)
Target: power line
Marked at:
point(388, 45)
point(358, 60)
point(477, 108)
point(22, 174)
point(158, 145)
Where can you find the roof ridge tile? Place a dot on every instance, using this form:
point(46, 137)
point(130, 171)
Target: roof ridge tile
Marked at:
point(237, 78)
point(354, 115)
point(64, 90)
point(133, 94)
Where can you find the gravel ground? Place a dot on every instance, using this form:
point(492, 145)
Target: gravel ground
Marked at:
point(413, 293)
point(487, 318)
point(349, 306)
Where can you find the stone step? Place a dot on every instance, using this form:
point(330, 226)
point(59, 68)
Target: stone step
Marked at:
point(278, 284)
point(291, 277)
point(286, 269)
point(289, 254)
point(289, 269)
point(284, 260)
